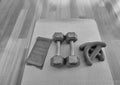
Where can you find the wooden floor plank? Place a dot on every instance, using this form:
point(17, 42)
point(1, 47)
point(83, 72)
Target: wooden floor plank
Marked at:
point(58, 10)
point(28, 21)
point(17, 65)
point(44, 9)
point(39, 9)
point(52, 7)
point(5, 6)
point(65, 9)
point(7, 28)
point(27, 42)
point(112, 52)
point(5, 71)
point(74, 9)
point(13, 37)
point(8, 59)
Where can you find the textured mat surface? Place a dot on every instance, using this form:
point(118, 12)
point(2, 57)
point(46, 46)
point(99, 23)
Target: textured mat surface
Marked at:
point(39, 52)
point(87, 31)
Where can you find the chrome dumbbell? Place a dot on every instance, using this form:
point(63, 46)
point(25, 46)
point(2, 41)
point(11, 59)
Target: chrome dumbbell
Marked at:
point(58, 60)
point(72, 60)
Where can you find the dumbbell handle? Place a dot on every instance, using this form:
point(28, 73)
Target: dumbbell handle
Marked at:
point(58, 48)
point(72, 48)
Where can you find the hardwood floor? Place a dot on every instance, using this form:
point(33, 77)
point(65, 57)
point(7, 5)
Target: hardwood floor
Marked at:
point(8, 18)
point(110, 33)
point(109, 28)
point(14, 39)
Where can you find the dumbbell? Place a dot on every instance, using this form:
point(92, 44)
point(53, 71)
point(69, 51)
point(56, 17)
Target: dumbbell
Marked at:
point(58, 60)
point(72, 60)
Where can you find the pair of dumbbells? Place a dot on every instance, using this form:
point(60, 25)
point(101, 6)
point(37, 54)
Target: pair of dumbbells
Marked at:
point(70, 61)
